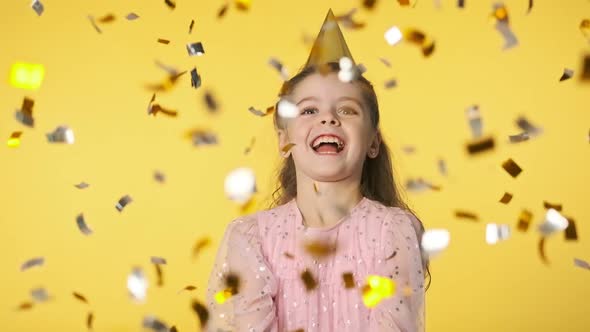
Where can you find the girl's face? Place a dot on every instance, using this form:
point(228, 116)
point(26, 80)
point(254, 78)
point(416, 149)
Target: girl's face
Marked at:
point(332, 133)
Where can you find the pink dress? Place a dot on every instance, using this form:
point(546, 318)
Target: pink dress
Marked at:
point(265, 250)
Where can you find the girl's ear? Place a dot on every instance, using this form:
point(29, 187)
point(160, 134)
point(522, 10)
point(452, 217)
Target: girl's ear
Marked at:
point(375, 144)
point(283, 141)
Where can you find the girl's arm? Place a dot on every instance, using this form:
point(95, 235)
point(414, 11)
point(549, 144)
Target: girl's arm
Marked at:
point(252, 308)
point(404, 312)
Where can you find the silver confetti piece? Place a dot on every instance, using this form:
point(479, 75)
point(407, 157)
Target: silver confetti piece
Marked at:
point(137, 285)
point(38, 7)
point(25, 118)
point(61, 134)
point(474, 119)
point(159, 176)
point(519, 137)
point(496, 233)
point(385, 62)
point(419, 185)
point(195, 49)
point(581, 263)
point(392, 83)
point(567, 74)
point(195, 78)
point(204, 138)
point(93, 22)
point(82, 185)
point(278, 66)
point(442, 167)
point(82, 225)
point(158, 260)
point(123, 202)
point(528, 127)
point(37, 261)
point(510, 39)
point(132, 16)
point(256, 112)
point(39, 295)
point(154, 324)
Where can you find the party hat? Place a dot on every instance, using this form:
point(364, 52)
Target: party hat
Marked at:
point(329, 45)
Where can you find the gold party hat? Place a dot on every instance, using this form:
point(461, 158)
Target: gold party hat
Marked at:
point(329, 45)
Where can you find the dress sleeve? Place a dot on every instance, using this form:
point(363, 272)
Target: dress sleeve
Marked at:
point(400, 260)
point(252, 309)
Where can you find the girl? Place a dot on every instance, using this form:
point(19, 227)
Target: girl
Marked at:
point(337, 218)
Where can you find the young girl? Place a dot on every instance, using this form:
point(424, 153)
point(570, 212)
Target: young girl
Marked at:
point(337, 190)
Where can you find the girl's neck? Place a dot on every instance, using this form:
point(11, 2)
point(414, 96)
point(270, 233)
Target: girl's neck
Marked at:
point(331, 202)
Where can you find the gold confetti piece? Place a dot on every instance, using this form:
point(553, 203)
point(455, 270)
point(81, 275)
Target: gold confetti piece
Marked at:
point(500, 14)
point(82, 185)
point(38, 7)
point(585, 75)
point(348, 20)
point(37, 261)
point(541, 248)
point(308, 280)
point(530, 7)
point(27, 76)
point(195, 49)
point(202, 137)
point(385, 62)
point(524, 220)
point(480, 145)
point(466, 215)
point(195, 78)
point(393, 254)
point(299, 330)
point(420, 185)
point(157, 260)
point(123, 201)
point(506, 198)
point(377, 289)
point(89, 320)
point(25, 306)
point(404, 2)
point(137, 285)
point(581, 263)
point(391, 83)
point(287, 147)
point(80, 297)
point(25, 114)
point(159, 176)
point(107, 18)
point(278, 66)
point(571, 233)
point(188, 288)
point(154, 324)
point(320, 249)
point(348, 280)
point(240, 185)
point(461, 4)
point(369, 4)
point(211, 103)
point(518, 137)
point(156, 108)
point(585, 28)
point(82, 226)
point(223, 10)
point(190, 27)
point(61, 134)
point(173, 329)
point(243, 4)
point(171, 4)
point(258, 112)
point(200, 245)
point(163, 41)
point(315, 187)
point(132, 16)
point(39, 295)
point(289, 255)
point(169, 82)
point(511, 167)
point(434, 241)
point(93, 22)
point(249, 147)
point(14, 139)
point(419, 38)
point(248, 207)
point(159, 275)
point(496, 233)
point(567, 74)
point(202, 313)
point(548, 205)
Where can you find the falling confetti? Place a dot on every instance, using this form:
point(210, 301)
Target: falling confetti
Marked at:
point(530, 129)
point(316, 188)
point(571, 233)
point(231, 287)
point(201, 137)
point(585, 28)
point(89, 320)
point(171, 4)
point(518, 137)
point(14, 139)
point(475, 123)
point(243, 4)
point(159, 275)
point(391, 83)
point(496, 233)
point(137, 285)
point(548, 205)
point(269, 110)
point(38, 7)
point(528, 11)
point(170, 81)
point(506, 198)
point(107, 18)
point(39, 295)
point(202, 313)
point(348, 279)
point(348, 21)
point(25, 114)
point(82, 225)
point(287, 147)
point(223, 10)
point(212, 105)
point(567, 74)
point(195, 78)
point(201, 244)
point(393, 35)
point(524, 220)
point(481, 145)
point(190, 27)
point(320, 249)
point(442, 167)
point(420, 185)
point(154, 324)
point(278, 66)
point(554, 222)
point(500, 14)
point(159, 176)
point(511, 167)
point(156, 108)
point(377, 289)
point(157, 260)
point(369, 4)
point(123, 202)
point(466, 215)
point(195, 49)
point(308, 280)
point(287, 109)
point(82, 185)
point(37, 261)
point(132, 17)
point(61, 134)
point(250, 146)
point(27, 76)
point(80, 297)
point(541, 249)
point(581, 263)
point(240, 185)
point(25, 306)
point(585, 74)
point(434, 241)
point(188, 288)
point(93, 22)
point(163, 41)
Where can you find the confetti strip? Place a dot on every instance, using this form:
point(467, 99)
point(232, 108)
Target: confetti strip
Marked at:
point(528, 11)
point(531, 130)
point(27, 76)
point(156, 109)
point(500, 14)
point(80, 297)
point(511, 167)
point(202, 313)
point(541, 249)
point(376, 290)
point(37, 261)
point(391, 83)
point(481, 145)
point(518, 138)
point(250, 146)
point(158, 260)
point(420, 185)
point(154, 324)
point(39, 295)
point(123, 202)
point(163, 41)
point(201, 137)
point(171, 4)
point(466, 215)
point(25, 114)
point(212, 105)
point(93, 22)
point(159, 275)
point(188, 288)
point(82, 226)
point(581, 263)
point(278, 66)
point(190, 27)
point(385, 62)
point(25, 306)
point(107, 18)
point(14, 139)
point(195, 78)
point(240, 185)
point(61, 134)
point(320, 249)
point(223, 10)
point(288, 147)
point(506, 198)
point(90, 320)
point(200, 245)
point(442, 167)
point(548, 205)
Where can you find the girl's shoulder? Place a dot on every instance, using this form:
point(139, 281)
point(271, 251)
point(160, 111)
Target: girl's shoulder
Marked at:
point(392, 218)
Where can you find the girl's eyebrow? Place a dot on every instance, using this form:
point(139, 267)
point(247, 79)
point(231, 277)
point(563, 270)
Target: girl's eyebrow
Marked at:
point(307, 98)
point(339, 99)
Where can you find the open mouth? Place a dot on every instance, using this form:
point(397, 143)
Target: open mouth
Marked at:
point(327, 144)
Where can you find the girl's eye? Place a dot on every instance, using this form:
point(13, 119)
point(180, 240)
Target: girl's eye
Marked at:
point(309, 110)
point(347, 110)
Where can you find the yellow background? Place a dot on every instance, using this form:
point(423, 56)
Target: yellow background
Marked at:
point(95, 83)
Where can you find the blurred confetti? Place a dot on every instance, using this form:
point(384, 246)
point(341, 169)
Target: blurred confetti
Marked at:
point(211, 102)
point(14, 139)
point(506, 198)
point(37, 261)
point(159, 177)
point(82, 185)
point(348, 279)
point(38, 7)
point(231, 287)
point(123, 201)
point(240, 185)
point(466, 215)
point(278, 66)
point(61, 134)
point(500, 14)
point(320, 249)
point(171, 4)
point(195, 49)
point(137, 285)
point(347, 20)
point(82, 225)
point(190, 27)
point(200, 245)
point(420, 185)
point(524, 220)
point(308, 280)
point(243, 4)
point(132, 16)
point(202, 313)
point(90, 320)
point(434, 241)
point(80, 297)
point(39, 295)
point(511, 167)
point(25, 114)
point(287, 109)
point(581, 263)
point(27, 76)
point(376, 290)
point(154, 324)
point(195, 78)
point(201, 137)
point(496, 233)
point(554, 222)
point(567, 74)
point(157, 260)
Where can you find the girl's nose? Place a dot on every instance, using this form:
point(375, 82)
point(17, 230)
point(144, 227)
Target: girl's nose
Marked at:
point(330, 118)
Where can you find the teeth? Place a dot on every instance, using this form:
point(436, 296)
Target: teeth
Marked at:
point(328, 139)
